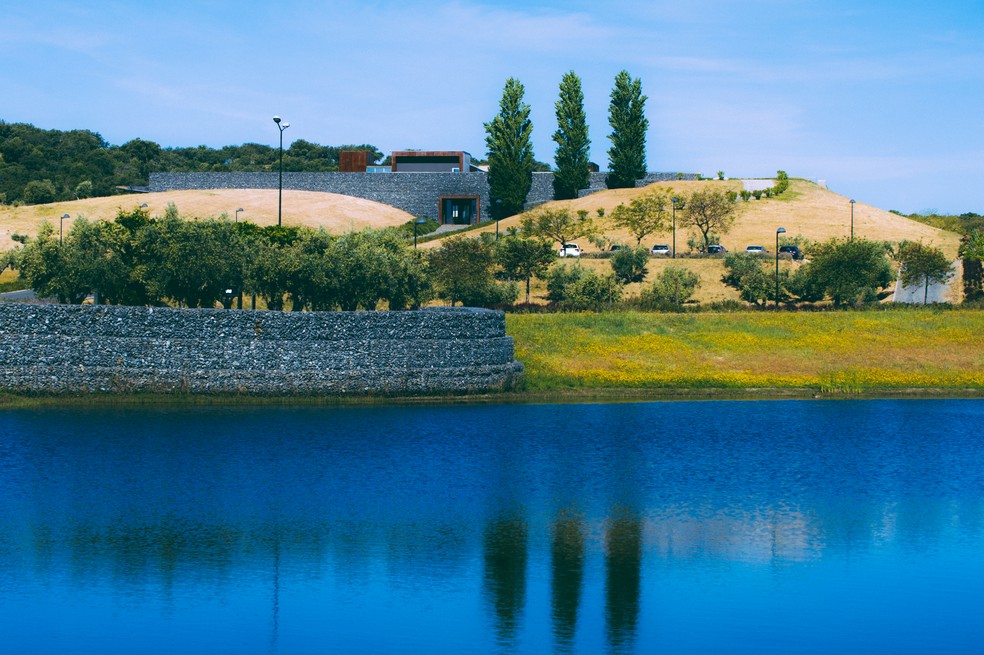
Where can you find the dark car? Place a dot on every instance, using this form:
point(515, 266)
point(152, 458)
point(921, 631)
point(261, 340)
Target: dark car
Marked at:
point(716, 249)
point(793, 251)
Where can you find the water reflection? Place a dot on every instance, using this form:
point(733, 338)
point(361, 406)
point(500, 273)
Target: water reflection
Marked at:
point(332, 527)
point(623, 579)
point(567, 576)
point(506, 542)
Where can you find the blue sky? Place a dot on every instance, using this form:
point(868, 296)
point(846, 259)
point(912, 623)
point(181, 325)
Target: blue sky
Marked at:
point(883, 100)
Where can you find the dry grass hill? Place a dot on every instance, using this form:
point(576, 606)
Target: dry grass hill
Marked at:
point(336, 213)
point(805, 209)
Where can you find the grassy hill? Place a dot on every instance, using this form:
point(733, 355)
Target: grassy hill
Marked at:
point(805, 209)
point(338, 214)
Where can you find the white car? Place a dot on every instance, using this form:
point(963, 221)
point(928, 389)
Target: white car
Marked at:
point(756, 250)
point(661, 249)
point(570, 250)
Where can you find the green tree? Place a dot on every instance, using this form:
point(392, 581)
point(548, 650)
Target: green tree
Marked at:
point(39, 192)
point(463, 270)
point(510, 152)
point(645, 214)
point(710, 210)
point(557, 224)
point(670, 289)
point(43, 264)
point(629, 264)
point(572, 140)
point(83, 190)
point(848, 271)
point(750, 275)
point(627, 117)
point(521, 259)
point(592, 292)
point(972, 252)
point(921, 263)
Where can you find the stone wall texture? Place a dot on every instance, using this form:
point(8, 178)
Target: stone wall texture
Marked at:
point(72, 349)
point(416, 193)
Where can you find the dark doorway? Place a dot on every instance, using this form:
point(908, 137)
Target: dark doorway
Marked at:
point(459, 210)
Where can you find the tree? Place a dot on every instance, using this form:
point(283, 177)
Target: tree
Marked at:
point(848, 271)
point(972, 252)
point(510, 152)
point(39, 192)
point(629, 264)
point(749, 274)
point(572, 140)
point(670, 289)
point(645, 214)
point(627, 117)
point(921, 263)
point(521, 259)
point(710, 210)
point(557, 224)
point(83, 190)
point(463, 271)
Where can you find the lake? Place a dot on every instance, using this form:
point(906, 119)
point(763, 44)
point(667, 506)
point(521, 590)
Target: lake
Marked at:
point(676, 527)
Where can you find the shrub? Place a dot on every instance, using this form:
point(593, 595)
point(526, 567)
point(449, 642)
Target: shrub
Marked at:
point(629, 264)
point(671, 288)
point(747, 273)
point(592, 292)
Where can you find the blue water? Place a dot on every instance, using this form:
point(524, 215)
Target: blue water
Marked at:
point(685, 527)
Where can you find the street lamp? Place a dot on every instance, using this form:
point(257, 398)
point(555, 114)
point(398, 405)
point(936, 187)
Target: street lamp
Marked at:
point(674, 201)
point(781, 230)
point(280, 183)
point(61, 223)
point(237, 213)
point(852, 219)
point(420, 221)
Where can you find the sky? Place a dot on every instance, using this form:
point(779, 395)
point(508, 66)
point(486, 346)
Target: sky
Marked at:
point(883, 100)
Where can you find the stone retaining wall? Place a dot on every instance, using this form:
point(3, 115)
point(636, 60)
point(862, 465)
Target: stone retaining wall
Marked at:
point(68, 349)
point(416, 193)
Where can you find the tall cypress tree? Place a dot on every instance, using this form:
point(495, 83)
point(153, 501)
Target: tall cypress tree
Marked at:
point(510, 152)
point(627, 116)
point(572, 140)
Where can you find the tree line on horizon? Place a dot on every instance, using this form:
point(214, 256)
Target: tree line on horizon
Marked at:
point(38, 166)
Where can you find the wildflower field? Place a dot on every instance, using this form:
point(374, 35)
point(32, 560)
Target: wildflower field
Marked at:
point(840, 352)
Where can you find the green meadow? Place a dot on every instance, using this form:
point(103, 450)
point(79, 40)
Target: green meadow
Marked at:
point(897, 350)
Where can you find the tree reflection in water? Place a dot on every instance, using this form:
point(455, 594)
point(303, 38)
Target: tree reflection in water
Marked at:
point(567, 562)
point(623, 579)
point(506, 541)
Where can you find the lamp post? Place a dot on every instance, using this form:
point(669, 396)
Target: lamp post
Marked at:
point(674, 201)
point(781, 230)
point(237, 213)
point(280, 182)
point(852, 219)
point(61, 224)
point(420, 221)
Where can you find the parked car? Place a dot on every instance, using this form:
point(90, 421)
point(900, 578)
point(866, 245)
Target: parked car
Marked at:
point(661, 249)
point(793, 251)
point(618, 246)
point(756, 250)
point(570, 250)
point(716, 249)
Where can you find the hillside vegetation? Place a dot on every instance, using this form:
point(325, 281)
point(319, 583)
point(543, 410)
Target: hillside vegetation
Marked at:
point(805, 210)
